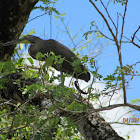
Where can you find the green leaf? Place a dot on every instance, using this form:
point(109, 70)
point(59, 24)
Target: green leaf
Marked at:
point(87, 34)
point(30, 60)
point(32, 32)
point(56, 17)
point(99, 36)
point(74, 106)
point(39, 56)
point(49, 61)
point(110, 77)
point(63, 14)
point(7, 66)
point(135, 101)
point(84, 47)
point(21, 62)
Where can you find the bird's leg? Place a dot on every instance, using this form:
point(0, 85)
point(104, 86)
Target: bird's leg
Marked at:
point(62, 79)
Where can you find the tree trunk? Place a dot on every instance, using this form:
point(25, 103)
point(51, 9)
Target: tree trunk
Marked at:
point(94, 127)
point(14, 15)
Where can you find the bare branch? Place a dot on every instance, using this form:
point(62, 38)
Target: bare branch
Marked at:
point(123, 22)
point(136, 107)
point(119, 53)
point(136, 37)
point(104, 34)
point(117, 44)
point(10, 128)
point(115, 39)
point(117, 24)
point(135, 33)
point(136, 44)
point(37, 17)
point(108, 15)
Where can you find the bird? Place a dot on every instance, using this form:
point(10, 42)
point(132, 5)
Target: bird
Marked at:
point(46, 47)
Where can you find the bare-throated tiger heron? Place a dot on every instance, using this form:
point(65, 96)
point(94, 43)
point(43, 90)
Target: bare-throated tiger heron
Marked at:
point(47, 46)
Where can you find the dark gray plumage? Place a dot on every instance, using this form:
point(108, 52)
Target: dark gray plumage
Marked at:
point(47, 46)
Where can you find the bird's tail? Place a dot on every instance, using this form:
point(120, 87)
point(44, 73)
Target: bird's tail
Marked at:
point(84, 76)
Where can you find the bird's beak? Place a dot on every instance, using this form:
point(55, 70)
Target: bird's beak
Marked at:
point(22, 40)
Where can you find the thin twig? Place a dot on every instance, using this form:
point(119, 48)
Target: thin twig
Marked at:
point(37, 17)
point(135, 44)
point(68, 33)
point(136, 107)
point(115, 39)
point(119, 53)
point(108, 15)
point(135, 33)
point(136, 37)
point(50, 14)
point(123, 21)
point(93, 81)
point(50, 26)
point(117, 24)
point(10, 129)
point(106, 36)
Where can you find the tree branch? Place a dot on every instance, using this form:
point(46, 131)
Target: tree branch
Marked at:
point(119, 53)
point(117, 44)
point(115, 39)
point(108, 15)
point(134, 37)
point(123, 21)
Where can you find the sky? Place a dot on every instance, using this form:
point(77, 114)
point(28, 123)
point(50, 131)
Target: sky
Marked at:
point(78, 16)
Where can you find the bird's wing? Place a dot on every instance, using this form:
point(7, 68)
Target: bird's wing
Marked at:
point(60, 49)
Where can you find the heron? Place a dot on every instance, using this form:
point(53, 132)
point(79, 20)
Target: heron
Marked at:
point(51, 45)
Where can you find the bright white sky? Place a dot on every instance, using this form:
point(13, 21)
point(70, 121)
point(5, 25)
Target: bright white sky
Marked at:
point(79, 15)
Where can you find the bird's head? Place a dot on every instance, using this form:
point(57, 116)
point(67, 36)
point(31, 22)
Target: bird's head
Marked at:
point(26, 39)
